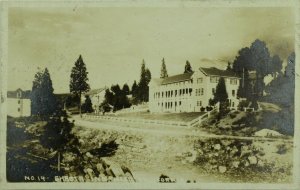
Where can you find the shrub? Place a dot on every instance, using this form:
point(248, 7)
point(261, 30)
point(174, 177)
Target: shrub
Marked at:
point(202, 109)
point(281, 149)
point(242, 104)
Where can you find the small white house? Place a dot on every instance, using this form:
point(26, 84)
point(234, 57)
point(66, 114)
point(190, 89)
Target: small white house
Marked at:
point(189, 92)
point(18, 103)
point(97, 96)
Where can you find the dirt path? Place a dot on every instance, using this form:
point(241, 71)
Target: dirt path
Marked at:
point(162, 130)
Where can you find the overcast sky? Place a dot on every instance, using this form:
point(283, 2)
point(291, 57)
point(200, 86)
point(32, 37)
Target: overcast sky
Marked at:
point(113, 41)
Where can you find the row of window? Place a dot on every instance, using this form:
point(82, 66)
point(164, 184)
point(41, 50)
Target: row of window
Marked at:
point(169, 105)
point(214, 79)
point(200, 92)
point(172, 93)
point(180, 83)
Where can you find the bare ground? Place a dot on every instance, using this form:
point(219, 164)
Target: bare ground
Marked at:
point(150, 150)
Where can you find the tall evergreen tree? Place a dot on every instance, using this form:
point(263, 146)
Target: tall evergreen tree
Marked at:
point(87, 106)
point(43, 101)
point(109, 97)
point(134, 89)
point(125, 89)
point(79, 80)
point(36, 94)
point(229, 68)
point(163, 70)
point(221, 96)
point(48, 101)
point(143, 88)
point(276, 65)
point(188, 67)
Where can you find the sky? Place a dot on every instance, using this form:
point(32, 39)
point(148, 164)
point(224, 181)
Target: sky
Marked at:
point(113, 41)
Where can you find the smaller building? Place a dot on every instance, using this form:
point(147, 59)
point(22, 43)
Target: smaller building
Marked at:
point(97, 96)
point(18, 103)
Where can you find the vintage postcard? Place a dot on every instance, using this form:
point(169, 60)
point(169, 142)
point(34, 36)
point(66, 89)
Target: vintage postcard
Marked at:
point(149, 95)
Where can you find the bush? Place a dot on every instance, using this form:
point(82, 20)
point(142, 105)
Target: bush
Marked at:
point(202, 109)
point(281, 149)
point(243, 104)
point(209, 108)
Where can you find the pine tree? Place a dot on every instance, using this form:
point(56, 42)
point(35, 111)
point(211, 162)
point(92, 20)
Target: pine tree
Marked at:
point(58, 137)
point(125, 89)
point(43, 101)
point(36, 94)
point(48, 101)
point(87, 106)
point(163, 70)
point(276, 65)
point(229, 68)
point(221, 96)
point(143, 88)
point(78, 81)
point(188, 67)
point(134, 89)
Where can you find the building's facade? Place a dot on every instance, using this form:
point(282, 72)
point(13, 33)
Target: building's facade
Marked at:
point(189, 92)
point(97, 96)
point(18, 103)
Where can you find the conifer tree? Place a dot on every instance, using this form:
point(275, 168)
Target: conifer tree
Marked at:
point(43, 101)
point(221, 96)
point(125, 89)
point(79, 80)
point(163, 70)
point(143, 89)
point(188, 67)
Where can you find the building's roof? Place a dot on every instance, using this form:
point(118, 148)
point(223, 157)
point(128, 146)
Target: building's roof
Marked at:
point(95, 91)
point(212, 71)
point(24, 94)
point(177, 78)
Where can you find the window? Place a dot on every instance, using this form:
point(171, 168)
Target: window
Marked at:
point(213, 90)
point(199, 103)
point(233, 81)
point(232, 104)
point(18, 109)
point(180, 103)
point(19, 101)
point(199, 80)
point(202, 91)
point(233, 92)
point(175, 92)
point(162, 94)
point(214, 79)
point(186, 90)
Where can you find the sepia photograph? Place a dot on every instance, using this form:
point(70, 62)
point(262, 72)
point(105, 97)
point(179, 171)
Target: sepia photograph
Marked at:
point(167, 94)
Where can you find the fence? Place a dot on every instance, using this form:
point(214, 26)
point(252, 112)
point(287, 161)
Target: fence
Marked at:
point(192, 123)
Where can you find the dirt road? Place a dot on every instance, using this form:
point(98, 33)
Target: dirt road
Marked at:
point(161, 130)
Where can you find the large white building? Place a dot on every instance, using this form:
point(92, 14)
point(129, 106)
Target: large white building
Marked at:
point(18, 103)
point(189, 92)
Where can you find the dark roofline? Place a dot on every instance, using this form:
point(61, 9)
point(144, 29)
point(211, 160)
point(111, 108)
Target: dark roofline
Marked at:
point(231, 75)
point(165, 80)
